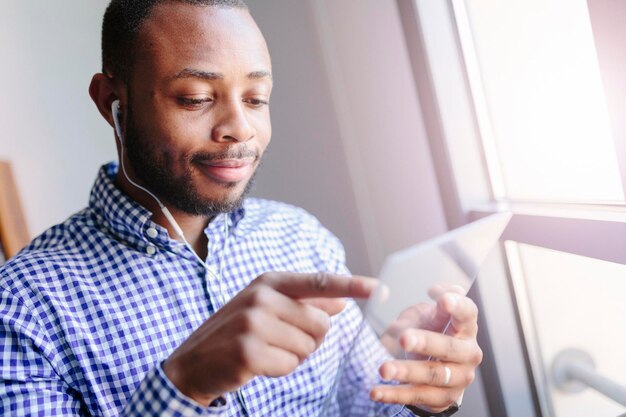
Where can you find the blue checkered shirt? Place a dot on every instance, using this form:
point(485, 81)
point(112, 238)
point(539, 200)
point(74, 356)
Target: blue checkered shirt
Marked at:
point(92, 307)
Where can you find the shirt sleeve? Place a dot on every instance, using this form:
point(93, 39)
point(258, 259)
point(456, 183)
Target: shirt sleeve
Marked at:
point(327, 251)
point(33, 385)
point(29, 384)
point(157, 396)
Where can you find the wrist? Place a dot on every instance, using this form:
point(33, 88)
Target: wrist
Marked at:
point(175, 374)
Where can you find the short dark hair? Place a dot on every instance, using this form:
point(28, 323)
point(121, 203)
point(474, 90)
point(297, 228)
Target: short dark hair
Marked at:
point(121, 24)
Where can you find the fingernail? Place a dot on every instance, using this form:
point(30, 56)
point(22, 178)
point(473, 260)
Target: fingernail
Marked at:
point(409, 342)
point(390, 372)
point(458, 289)
point(381, 294)
point(370, 284)
point(377, 396)
point(453, 299)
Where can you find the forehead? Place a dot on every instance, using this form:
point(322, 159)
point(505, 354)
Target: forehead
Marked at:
point(177, 35)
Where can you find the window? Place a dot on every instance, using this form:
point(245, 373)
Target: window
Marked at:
point(524, 107)
point(538, 70)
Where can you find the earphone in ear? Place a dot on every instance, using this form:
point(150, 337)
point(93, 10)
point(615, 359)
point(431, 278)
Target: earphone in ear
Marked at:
point(115, 111)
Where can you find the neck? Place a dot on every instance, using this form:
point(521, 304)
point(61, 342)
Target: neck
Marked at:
point(192, 225)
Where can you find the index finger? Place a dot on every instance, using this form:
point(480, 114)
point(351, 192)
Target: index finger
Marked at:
point(320, 285)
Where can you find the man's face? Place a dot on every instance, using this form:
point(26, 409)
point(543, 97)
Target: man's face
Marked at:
point(198, 120)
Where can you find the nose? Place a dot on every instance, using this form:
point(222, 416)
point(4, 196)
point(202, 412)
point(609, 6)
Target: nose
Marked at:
point(233, 124)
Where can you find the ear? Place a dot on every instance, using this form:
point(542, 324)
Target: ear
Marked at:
point(104, 91)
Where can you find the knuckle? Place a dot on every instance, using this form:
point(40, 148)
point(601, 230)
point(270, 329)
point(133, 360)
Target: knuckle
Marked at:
point(470, 376)
point(306, 346)
point(249, 321)
point(266, 279)
point(468, 312)
point(290, 363)
point(320, 281)
point(418, 398)
point(390, 395)
point(435, 377)
point(310, 345)
point(474, 309)
point(420, 341)
point(449, 397)
point(320, 321)
point(354, 285)
point(422, 345)
point(477, 355)
point(263, 278)
point(404, 373)
point(244, 352)
point(385, 369)
point(452, 348)
point(261, 297)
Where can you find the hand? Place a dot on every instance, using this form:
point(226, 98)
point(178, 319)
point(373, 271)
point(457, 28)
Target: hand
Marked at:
point(423, 381)
point(268, 329)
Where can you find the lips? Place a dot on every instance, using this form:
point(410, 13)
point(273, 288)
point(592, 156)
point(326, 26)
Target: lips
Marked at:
point(229, 170)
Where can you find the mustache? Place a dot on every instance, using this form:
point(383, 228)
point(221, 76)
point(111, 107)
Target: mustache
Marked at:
point(228, 153)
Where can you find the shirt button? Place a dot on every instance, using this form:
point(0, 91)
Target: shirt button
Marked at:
point(150, 250)
point(152, 232)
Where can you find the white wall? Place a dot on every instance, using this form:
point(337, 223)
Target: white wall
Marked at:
point(51, 131)
point(345, 114)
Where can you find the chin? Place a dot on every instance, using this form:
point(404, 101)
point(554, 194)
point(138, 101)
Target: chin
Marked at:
point(227, 193)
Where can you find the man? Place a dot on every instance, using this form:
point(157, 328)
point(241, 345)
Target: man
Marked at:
point(161, 297)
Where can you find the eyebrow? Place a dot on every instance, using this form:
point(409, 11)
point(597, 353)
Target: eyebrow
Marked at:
point(210, 76)
point(256, 75)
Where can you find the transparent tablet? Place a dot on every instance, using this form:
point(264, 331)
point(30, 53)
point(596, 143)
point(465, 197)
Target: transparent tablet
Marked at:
point(411, 282)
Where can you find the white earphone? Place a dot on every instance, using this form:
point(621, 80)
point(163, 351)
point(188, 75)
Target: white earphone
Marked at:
point(115, 111)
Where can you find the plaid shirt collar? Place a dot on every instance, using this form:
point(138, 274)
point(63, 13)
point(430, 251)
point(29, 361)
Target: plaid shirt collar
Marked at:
point(131, 222)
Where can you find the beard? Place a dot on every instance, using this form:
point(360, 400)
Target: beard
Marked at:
point(179, 191)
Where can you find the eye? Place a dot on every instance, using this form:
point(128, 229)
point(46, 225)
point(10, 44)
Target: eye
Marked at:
point(194, 103)
point(256, 102)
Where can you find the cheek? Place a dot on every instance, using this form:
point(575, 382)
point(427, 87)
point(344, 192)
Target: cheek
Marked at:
point(178, 138)
point(170, 148)
point(264, 131)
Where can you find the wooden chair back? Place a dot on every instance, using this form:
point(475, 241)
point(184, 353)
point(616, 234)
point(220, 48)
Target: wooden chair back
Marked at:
point(13, 230)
